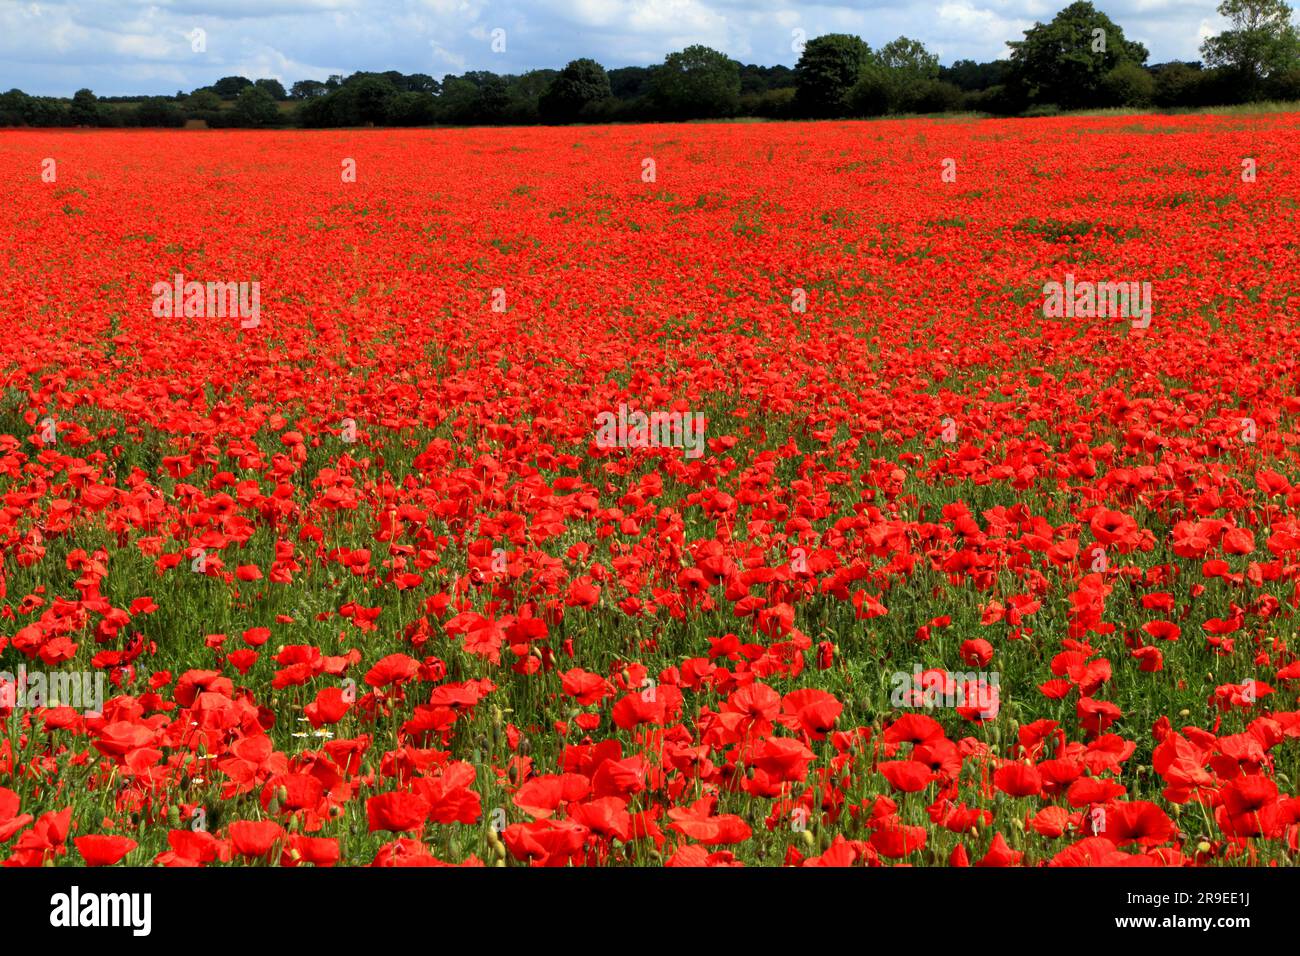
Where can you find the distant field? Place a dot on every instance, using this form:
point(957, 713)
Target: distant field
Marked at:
point(853, 493)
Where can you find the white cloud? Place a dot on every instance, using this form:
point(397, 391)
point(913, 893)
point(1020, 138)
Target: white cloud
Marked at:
point(140, 46)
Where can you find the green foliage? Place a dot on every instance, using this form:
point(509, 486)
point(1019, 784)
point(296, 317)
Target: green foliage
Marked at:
point(228, 87)
point(255, 108)
point(1080, 60)
point(1128, 85)
point(826, 73)
point(581, 84)
point(696, 82)
point(274, 87)
point(1261, 44)
point(1065, 62)
point(157, 111)
point(410, 109)
point(84, 110)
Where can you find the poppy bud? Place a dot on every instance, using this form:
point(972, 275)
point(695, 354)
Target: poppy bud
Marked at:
point(525, 746)
point(808, 838)
point(174, 816)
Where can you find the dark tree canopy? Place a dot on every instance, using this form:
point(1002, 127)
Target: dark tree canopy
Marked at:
point(1065, 62)
point(581, 84)
point(827, 70)
point(697, 82)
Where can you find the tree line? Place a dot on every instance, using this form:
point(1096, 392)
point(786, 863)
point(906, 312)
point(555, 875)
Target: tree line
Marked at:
point(1081, 59)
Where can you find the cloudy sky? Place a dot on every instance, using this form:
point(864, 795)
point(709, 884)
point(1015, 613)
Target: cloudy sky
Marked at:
point(118, 47)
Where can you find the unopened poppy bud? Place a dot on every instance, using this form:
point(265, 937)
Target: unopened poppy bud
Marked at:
point(808, 838)
point(174, 816)
point(1202, 847)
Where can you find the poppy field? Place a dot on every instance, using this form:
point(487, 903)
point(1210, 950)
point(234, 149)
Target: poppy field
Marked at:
point(803, 494)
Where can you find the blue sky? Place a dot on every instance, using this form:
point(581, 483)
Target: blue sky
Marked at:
point(118, 47)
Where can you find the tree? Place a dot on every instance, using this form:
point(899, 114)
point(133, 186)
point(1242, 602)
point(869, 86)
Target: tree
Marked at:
point(580, 84)
point(1262, 42)
point(158, 111)
point(493, 99)
point(85, 108)
point(908, 60)
point(370, 96)
point(1129, 85)
point(1064, 62)
point(410, 109)
point(274, 87)
point(696, 82)
point(228, 87)
point(458, 102)
point(526, 91)
point(255, 107)
point(872, 95)
point(969, 75)
point(828, 68)
point(630, 82)
point(422, 83)
point(760, 79)
point(307, 89)
point(1176, 84)
point(203, 100)
point(907, 74)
